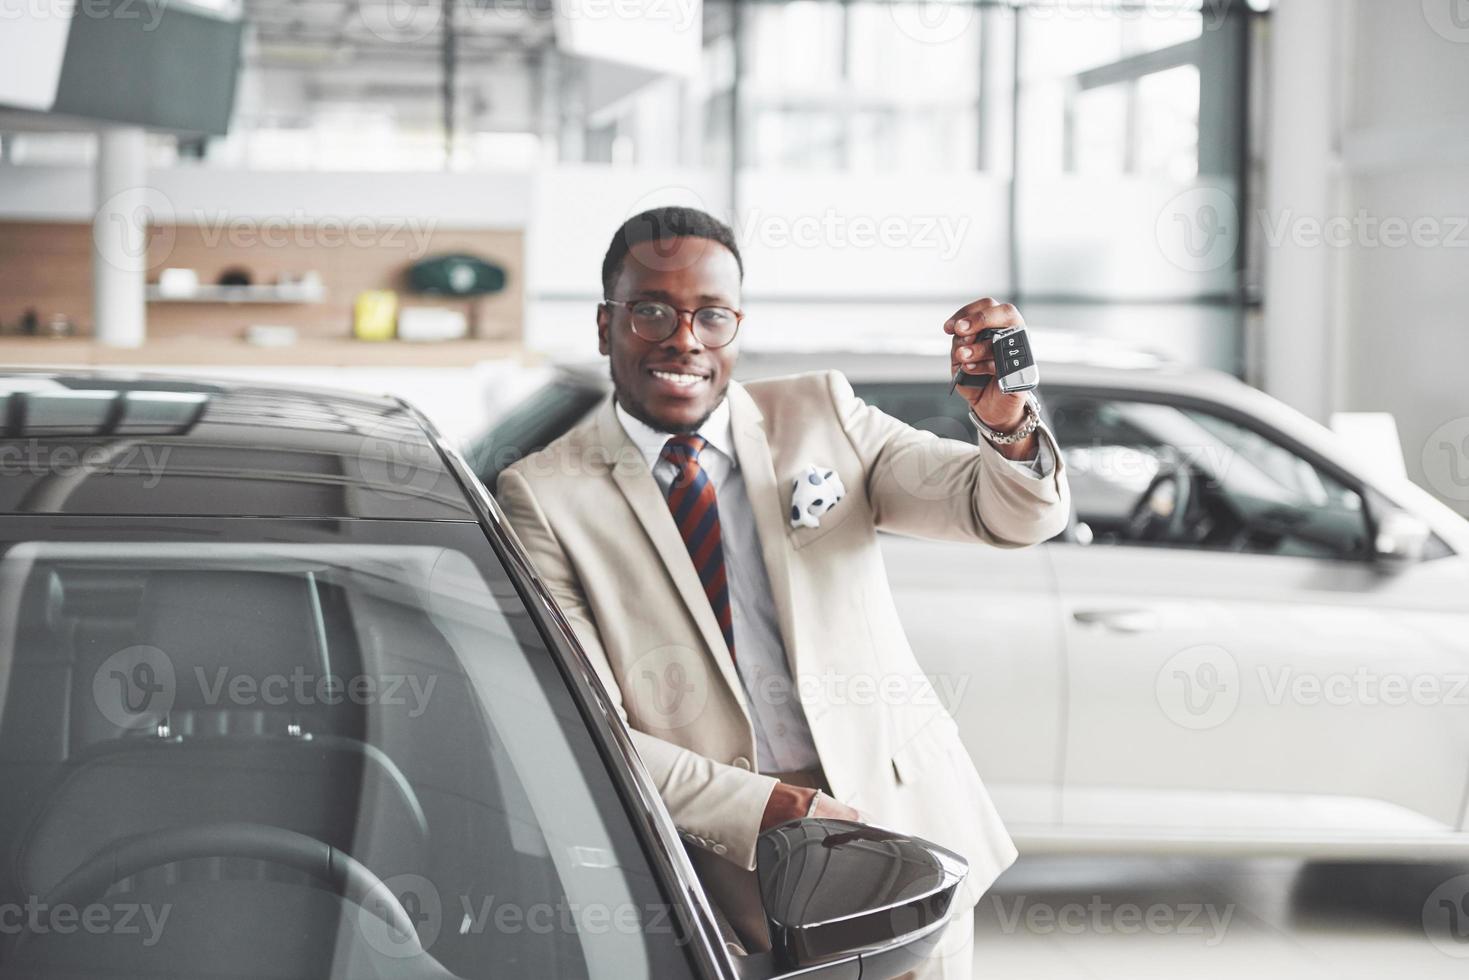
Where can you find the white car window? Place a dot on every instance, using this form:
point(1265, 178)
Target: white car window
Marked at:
point(1149, 473)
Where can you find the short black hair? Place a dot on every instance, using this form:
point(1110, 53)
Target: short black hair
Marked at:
point(661, 224)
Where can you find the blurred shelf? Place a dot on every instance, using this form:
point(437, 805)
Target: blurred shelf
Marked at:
point(277, 294)
point(217, 352)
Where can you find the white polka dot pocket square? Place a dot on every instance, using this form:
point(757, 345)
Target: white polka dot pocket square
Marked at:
point(817, 491)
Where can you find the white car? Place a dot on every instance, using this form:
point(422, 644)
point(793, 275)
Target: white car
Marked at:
point(1248, 641)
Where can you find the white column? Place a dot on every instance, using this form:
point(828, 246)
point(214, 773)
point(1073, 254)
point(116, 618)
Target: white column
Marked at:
point(1303, 318)
point(120, 238)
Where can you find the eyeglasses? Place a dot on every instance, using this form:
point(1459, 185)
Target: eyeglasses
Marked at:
point(655, 322)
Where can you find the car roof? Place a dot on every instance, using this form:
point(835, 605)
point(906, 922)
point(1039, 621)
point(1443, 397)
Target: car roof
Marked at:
point(142, 444)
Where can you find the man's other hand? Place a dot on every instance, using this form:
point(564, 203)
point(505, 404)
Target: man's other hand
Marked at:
point(788, 802)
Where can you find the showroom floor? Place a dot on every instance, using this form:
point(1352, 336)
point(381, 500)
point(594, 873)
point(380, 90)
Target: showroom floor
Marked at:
point(1058, 919)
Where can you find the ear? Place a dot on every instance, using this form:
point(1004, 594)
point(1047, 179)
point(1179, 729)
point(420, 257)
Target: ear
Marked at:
point(604, 327)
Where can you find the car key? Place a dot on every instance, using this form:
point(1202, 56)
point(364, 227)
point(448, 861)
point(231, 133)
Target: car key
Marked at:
point(1014, 364)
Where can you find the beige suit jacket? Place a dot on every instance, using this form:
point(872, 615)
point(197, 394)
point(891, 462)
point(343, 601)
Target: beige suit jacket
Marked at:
point(590, 514)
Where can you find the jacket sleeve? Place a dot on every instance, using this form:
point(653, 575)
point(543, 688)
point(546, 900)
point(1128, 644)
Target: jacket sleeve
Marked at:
point(926, 486)
point(715, 806)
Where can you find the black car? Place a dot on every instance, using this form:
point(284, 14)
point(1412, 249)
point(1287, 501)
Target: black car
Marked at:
point(280, 696)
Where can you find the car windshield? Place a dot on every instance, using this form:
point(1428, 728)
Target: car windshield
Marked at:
point(300, 749)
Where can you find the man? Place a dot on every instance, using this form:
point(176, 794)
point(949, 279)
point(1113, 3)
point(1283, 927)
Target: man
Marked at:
point(729, 628)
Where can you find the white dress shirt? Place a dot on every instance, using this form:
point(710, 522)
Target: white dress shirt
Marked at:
point(783, 740)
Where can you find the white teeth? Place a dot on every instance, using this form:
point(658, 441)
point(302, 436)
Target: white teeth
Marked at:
point(678, 379)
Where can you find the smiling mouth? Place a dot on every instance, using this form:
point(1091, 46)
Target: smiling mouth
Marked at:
point(683, 379)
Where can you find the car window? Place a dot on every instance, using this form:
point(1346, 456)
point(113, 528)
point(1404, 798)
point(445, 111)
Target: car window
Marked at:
point(923, 405)
point(1150, 473)
point(312, 749)
point(531, 426)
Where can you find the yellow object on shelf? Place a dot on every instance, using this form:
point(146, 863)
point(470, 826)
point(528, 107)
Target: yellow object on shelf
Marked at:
point(375, 315)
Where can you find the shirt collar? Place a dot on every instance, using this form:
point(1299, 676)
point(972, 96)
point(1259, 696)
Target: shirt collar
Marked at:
point(650, 441)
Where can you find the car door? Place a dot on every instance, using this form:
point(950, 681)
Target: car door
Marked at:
point(1238, 664)
point(985, 624)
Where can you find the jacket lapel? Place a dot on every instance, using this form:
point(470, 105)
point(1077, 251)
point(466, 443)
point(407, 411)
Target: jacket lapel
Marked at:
point(769, 502)
point(631, 474)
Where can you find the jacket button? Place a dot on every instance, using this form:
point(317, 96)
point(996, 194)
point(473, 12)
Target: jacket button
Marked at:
point(740, 762)
point(720, 849)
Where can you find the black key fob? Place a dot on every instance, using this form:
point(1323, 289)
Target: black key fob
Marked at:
point(1014, 364)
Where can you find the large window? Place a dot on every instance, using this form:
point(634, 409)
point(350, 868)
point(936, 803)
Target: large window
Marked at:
point(866, 87)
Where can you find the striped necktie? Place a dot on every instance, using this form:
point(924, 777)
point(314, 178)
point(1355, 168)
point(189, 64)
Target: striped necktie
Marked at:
point(696, 512)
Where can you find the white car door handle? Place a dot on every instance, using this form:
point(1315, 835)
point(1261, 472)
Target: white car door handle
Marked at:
point(1118, 620)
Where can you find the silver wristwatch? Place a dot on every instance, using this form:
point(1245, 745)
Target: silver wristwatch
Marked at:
point(1020, 433)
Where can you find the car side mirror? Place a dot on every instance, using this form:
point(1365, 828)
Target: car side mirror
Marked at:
point(1401, 540)
point(838, 892)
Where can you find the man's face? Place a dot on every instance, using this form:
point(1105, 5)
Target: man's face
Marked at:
point(672, 385)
